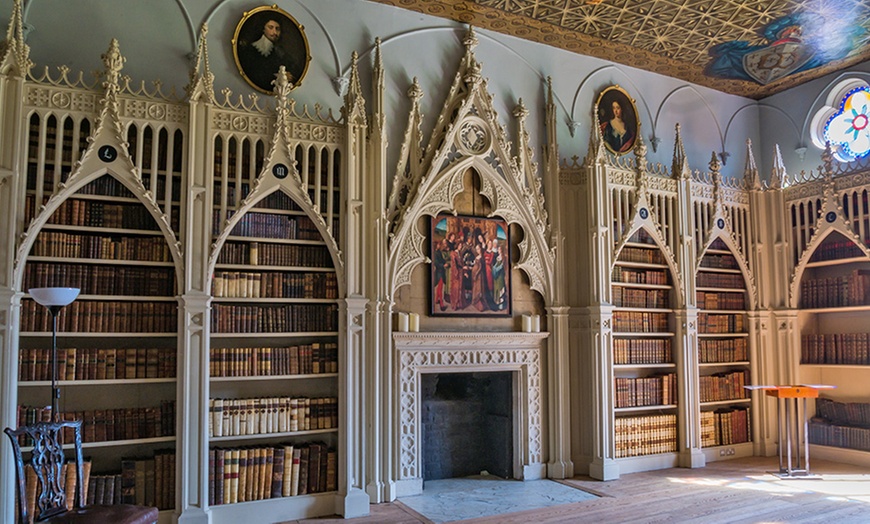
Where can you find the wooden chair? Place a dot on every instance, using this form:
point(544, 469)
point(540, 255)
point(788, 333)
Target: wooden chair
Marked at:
point(47, 459)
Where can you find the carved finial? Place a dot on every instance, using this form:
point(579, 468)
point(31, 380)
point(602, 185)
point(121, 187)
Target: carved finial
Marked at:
point(828, 160)
point(596, 145)
point(777, 174)
point(750, 172)
point(520, 111)
point(354, 102)
point(201, 84)
point(715, 165)
point(14, 53)
point(470, 40)
point(415, 92)
point(283, 85)
point(114, 62)
point(550, 90)
point(679, 161)
point(640, 150)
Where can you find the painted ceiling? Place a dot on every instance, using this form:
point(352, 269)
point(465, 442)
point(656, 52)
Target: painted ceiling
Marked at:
point(752, 48)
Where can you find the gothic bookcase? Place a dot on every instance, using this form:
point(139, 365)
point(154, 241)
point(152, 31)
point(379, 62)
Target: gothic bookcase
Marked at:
point(829, 240)
point(651, 304)
point(210, 268)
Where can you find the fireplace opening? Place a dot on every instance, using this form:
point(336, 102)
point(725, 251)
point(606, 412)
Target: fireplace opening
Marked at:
point(467, 424)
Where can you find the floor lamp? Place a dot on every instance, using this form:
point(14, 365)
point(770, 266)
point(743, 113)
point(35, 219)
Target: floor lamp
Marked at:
point(54, 298)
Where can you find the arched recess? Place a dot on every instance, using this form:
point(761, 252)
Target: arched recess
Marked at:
point(408, 244)
point(823, 230)
point(726, 236)
point(75, 183)
point(258, 195)
point(655, 234)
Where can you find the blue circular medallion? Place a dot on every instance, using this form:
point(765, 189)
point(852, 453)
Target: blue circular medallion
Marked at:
point(720, 223)
point(830, 217)
point(644, 213)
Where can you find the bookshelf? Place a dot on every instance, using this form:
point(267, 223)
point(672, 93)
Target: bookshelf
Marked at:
point(273, 362)
point(644, 369)
point(117, 351)
point(835, 346)
point(724, 356)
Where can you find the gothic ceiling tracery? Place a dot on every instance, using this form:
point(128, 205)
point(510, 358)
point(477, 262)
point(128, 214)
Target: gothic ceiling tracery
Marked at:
point(752, 48)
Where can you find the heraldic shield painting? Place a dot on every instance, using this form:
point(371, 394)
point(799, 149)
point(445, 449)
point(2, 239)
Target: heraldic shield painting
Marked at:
point(470, 267)
point(794, 43)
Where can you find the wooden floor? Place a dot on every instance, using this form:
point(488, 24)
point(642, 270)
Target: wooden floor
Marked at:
point(734, 491)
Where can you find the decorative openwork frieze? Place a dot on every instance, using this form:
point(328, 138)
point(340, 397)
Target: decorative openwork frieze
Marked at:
point(61, 98)
point(243, 123)
point(658, 183)
point(153, 111)
point(464, 353)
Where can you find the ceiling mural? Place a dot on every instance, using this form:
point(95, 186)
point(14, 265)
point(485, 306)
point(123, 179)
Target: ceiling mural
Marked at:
point(752, 48)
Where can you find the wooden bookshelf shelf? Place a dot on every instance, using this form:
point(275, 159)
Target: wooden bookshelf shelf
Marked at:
point(645, 408)
point(267, 240)
point(724, 364)
point(89, 383)
point(838, 262)
point(642, 265)
point(726, 402)
point(719, 270)
point(666, 365)
point(723, 335)
point(264, 378)
point(104, 230)
point(258, 436)
point(290, 334)
point(268, 300)
point(117, 443)
point(641, 286)
point(100, 261)
point(287, 269)
point(652, 334)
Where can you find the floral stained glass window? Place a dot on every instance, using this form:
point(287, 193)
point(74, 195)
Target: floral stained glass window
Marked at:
point(845, 121)
point(850, 127)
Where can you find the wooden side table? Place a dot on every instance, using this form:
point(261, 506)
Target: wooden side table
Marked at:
point(791, 411)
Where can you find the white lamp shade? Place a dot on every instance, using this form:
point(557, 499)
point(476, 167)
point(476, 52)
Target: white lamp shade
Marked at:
point(54, 296)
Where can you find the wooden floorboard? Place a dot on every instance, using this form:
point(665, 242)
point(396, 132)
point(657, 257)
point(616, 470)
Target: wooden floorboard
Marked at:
point(739, 491)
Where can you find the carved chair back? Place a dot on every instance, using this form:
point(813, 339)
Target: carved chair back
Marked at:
point(47, 459)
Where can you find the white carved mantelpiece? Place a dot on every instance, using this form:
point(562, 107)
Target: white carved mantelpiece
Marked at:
point(451, 352)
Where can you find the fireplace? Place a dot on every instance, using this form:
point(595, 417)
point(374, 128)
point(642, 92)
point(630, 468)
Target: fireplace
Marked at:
point(424, 358)
point(467, 424)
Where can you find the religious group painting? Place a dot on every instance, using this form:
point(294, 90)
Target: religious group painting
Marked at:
point(267, 38)
point(470, 266)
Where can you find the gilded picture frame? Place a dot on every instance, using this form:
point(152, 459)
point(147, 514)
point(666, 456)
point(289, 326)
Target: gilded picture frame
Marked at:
point(266, 38)
point(471, 267)
point(617, 119)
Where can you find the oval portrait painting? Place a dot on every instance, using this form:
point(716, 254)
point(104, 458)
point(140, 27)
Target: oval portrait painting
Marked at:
point(266, 39)
point(617, 119)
